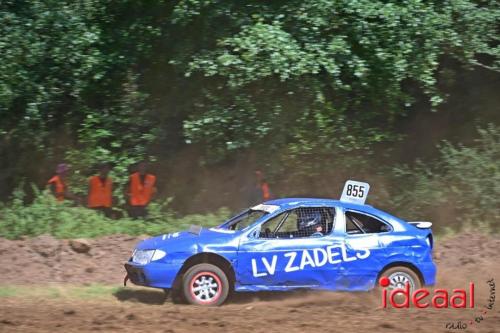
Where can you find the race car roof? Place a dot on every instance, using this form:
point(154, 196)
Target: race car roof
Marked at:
point(290, 202)
point(297, 202)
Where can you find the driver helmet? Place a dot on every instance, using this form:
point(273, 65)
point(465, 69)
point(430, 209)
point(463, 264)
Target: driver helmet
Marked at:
point(309, 220)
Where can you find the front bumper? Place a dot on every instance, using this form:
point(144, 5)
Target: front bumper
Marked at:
point(157, 275)
point(135, 275)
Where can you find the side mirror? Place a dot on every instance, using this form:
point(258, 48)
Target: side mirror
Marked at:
point(254, 234)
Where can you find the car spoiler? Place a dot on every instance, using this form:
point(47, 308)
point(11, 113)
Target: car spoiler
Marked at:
point(421, 224)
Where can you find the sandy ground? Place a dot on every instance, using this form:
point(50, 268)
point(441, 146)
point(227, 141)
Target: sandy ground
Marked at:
point(146, 311)
point(461, 259)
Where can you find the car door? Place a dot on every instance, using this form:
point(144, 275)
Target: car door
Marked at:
point(363, 243)
point(282, 254)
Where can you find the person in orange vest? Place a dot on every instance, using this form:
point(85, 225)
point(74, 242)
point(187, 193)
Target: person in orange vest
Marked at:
point(261, 191)
point(140, 191)
point(57, 183)
point(100, 192)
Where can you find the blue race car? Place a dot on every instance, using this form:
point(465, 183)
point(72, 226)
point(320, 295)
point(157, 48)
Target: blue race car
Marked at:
point(286, 244)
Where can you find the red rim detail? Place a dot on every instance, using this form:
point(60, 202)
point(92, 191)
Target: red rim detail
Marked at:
point(205, 280)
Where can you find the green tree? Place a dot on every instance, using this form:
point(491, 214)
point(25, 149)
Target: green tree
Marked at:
point(118, 135)
point(279, 67)
point(64, 71)
point(49, 54)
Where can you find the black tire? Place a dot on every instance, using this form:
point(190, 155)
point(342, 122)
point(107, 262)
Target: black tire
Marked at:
point(176, 294)
point(205, 284)
point(399, 275)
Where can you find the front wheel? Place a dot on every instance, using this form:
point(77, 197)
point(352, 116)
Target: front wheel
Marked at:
point(205, 284)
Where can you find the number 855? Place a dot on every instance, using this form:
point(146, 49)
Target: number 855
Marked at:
point(355, 190)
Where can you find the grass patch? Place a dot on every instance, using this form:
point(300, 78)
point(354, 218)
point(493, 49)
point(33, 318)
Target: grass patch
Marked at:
point(8, 291)
point(92, 291)
point(46, 216)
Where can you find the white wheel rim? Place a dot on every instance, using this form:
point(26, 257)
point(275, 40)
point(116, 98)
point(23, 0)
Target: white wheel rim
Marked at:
point(205, 288)
point(398, 280)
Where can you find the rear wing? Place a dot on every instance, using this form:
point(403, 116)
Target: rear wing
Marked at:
point(421, 224)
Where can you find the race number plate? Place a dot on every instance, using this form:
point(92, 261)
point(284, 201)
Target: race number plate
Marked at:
point(355, 192)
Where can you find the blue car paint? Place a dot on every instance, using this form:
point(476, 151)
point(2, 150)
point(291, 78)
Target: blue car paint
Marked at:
point(261, 264)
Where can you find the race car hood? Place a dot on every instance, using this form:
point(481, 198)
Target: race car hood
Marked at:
point(179, 241)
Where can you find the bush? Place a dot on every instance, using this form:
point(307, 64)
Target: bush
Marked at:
point(62, 220)
point(460, 189)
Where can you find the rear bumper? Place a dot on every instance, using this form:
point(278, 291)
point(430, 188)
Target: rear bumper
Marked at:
point(428, 270)
point(155, 275)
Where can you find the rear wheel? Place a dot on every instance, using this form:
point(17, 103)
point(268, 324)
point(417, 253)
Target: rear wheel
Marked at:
point(399, 276)
point(205, 284)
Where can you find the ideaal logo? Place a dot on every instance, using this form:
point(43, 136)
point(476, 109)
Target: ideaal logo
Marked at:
point(460, 298)
point(438, 299)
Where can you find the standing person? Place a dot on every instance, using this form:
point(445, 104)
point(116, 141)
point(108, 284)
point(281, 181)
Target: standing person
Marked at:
point(260, 191)
point(58, 186)
point(57, 183)
point(140, 190)
point(100, 192)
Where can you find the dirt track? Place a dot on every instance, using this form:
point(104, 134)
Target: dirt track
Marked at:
point(460, 260)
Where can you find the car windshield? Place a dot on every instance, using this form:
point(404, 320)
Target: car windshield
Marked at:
point(243, 220)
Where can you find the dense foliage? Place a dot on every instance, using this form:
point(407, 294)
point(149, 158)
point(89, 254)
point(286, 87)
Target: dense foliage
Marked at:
point(68, 83)
point(325, 67)
point(461, 188)
point(450, 192)
point(227, 82)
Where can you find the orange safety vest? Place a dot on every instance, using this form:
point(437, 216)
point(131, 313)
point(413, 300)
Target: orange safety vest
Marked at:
point(266, 194)
point(140, 194)
point(100, 194)
point(60, 187)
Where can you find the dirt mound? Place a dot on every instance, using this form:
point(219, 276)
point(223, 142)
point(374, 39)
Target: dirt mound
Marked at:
point(46, 259)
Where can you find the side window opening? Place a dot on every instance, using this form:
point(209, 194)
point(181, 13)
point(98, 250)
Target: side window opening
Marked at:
point(269, 228)
point(299, 223)
point(351, 227)
point(357, 223)
point(243, 220)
